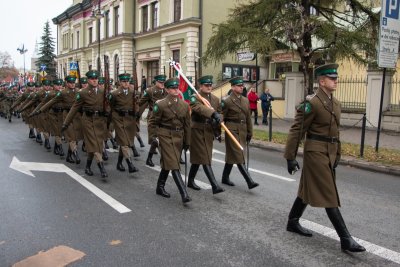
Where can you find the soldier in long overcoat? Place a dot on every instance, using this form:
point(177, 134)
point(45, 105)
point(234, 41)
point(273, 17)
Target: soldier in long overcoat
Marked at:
point(236, 112)
point(149, 97)
point(318, 119)
point(94, 121)
point(204, 126)
point(123, 105)
point(19, 101)
point(172, 118)
point(29, 105)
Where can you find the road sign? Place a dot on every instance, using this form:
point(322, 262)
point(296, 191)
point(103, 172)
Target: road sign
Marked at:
point(43, 73)
point(73, 73)
point(389, 34)
point(43, 67)
point(73, 66)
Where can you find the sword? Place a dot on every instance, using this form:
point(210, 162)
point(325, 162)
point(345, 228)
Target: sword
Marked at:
point(185, 167)
point(248, 155)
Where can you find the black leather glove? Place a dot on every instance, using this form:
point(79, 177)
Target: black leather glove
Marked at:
point(248, 137)
point(186, 147)
point(217, 117)
point(292, 166)
point(63, 128)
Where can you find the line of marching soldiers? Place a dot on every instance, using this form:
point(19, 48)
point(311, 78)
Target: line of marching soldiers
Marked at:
point(8, 95)
point(175, 126)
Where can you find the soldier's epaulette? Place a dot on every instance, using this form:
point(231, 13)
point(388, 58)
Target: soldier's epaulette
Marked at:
point(309, 97)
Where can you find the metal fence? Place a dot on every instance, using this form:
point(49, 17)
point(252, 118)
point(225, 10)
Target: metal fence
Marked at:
point(394, 102)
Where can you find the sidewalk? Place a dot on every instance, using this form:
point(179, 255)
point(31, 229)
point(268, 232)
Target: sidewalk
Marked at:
point(348, 135)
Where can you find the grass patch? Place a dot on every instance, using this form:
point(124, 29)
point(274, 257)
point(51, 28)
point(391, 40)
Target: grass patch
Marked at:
point(385, 156)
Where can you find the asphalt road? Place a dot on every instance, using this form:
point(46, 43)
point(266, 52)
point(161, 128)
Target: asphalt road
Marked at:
point(239, 227)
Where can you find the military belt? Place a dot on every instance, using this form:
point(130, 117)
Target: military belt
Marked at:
point(322, 138)
point(203, 121)
point(176, 128)
point(124, 113)
point(235, 121)
point(67, 109)
point(91, 113)
point(56, 110)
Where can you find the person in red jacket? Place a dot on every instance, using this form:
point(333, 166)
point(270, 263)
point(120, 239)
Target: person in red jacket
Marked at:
point(253, 99)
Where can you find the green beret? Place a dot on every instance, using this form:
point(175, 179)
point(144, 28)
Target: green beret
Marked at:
point(329, 70)
point(58, 82)
point(92, 74)
point(124, 77)
point(70, 79)
point(30, 84)
point(46, 82)
point(132, 81)
point(160, 78)
point(38, 84)
point(238, 80)
point(102, 80)
point(208, 79)
point(172, 83)
point(83, 80)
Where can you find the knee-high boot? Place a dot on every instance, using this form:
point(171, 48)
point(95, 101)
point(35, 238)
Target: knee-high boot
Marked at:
point(103, 172)
point(181, 186)
point(192, 173)
point(140, 141)
point(296, 212)
point(69, 158)
point(225, 174)
point(31, 133)
point(135, 152)
point(120, 166)
point(131, 167)
point(88, 170)
point(162, 179)
point(210, 175)
point(76, 157)
point(104, 155)
point(250, 183)
point(47, 144)
point(60, 150)
point(346, 241)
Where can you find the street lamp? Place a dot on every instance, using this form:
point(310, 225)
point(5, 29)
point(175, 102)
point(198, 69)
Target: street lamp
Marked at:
point(96, 13)
point(22, 51)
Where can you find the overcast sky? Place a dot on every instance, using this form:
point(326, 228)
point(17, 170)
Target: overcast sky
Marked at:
point(22, 23)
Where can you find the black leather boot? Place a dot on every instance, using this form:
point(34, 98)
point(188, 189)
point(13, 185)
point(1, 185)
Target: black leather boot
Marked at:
point(135, 152)
point(56, 150)
point(162, 179)
point(31, 133)
point(106, 144)
point(75, 156)
point(246, 175)
point(296, 212)
point(83, 146)
point(60, 150)
point(39, 138)
point(88, 171)
point(47, 144)
point(131, 167)
point(104, 155)
point(192, 173)
point(149, 162)
point(103, 172)
point(225, 174)
point(181, 186)
point(69, 158)
point(210, 175)
point(140, 141)
point(346, 241)
point(120, 166)
point(114, 143)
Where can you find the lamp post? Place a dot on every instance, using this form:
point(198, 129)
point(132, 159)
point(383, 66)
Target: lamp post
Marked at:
point(97, 14)
point(22, 51)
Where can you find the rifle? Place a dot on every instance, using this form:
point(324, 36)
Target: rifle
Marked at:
point(205, 102)
point(78, 71)
point(107, 83)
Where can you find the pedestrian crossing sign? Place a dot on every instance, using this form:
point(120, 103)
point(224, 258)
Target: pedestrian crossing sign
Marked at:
point(73, 66)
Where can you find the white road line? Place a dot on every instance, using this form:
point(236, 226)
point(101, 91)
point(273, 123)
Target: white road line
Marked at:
point(382, 252)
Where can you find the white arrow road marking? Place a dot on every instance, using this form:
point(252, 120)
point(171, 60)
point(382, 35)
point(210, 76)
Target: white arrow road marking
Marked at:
point(382, 252)
point(27, 167)
point(201, 184)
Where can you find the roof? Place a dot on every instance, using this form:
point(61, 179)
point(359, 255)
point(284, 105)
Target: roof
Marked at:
point(71, 11)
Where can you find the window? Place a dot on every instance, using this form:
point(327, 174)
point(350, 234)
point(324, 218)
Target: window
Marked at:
point(154, 12)
point(77, 39)
point(177, 10)
point(90, 35)
point(176, 55)
point(281, 68)
point(65, 40)
point(145, 18)
point(116, 20)
point(153, 68)
point(249, 73)
point(107, 20)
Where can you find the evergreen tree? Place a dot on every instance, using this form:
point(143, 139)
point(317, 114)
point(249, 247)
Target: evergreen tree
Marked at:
point(46, 52)
point(312, 28)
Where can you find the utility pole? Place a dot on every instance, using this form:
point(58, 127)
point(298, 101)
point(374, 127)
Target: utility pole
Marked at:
point(22, 51)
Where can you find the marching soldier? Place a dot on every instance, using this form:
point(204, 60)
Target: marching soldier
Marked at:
point(29, 88)
point(94, 127)
point(136, 95)
point(205, 124)
point(318, 118)
point(150, 96)
point(172, 118)
point(29, 105)
point(236, 112)
point(123, 106)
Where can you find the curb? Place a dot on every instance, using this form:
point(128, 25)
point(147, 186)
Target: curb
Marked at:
point(346, 160)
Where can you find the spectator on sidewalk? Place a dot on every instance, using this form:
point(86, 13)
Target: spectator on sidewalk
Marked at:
point(266, 99)
point(253, 99)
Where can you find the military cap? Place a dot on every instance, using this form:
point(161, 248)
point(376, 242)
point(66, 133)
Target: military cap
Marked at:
point(58, 82)
point(83, 80)
point(70, 79)
point(208, 79)
point(30, 84)
point(238, 80)
point(38, 84)
point(132, 81)
point(160, 78)
point(46, 82)
point(329, 70)
point(172, 83)
point(92, 74)
point(102, 80)
point(124, 77)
